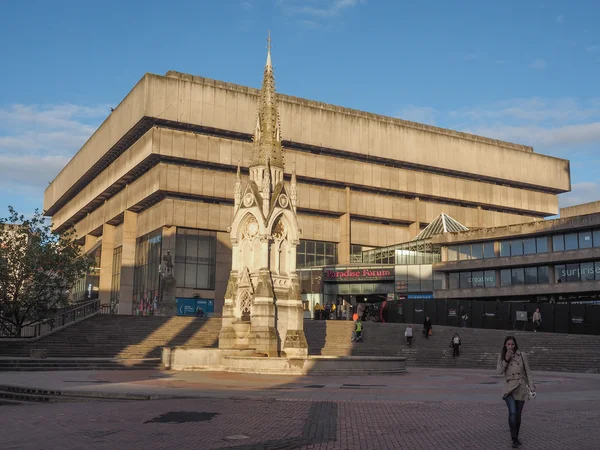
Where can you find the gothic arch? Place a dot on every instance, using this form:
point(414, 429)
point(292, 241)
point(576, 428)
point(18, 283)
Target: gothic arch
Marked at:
point(290, 222)
point(245, 300)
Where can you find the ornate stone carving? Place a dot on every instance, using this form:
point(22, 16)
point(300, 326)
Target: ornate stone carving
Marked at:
point(279, 230)
point(283, 201)
point(248, 200)
point(251, 228)
point(246, 300)
point(232, 286)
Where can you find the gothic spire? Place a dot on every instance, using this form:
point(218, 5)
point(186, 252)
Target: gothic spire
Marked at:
point(267, 135)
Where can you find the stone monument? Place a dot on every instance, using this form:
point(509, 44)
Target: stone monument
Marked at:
point(263, 309)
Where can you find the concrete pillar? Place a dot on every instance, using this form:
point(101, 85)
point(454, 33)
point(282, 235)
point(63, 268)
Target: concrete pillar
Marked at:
point(415, 228)
point(128, 262)
point(106, 263)
point(480, 218)
point(345, 233)
point(89, 242)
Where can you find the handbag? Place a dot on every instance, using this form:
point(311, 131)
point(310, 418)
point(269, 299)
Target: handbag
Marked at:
point(530, 394)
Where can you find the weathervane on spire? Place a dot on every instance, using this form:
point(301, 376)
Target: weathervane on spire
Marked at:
point(269, 42)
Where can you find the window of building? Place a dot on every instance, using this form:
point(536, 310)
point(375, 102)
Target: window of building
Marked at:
point(490, 278)
point(453, 280)
point(516, 247)
point(596, 238)
point(195, 259)
point(477, 280)
point(560, 273)
point(558, 243)
point(115, 287)
point(542, 244)
point(319, 253)
point(465, 280)
point(356, 253)
point(476, 251)
point(145, 274)
point(531, 275)
point(517, 276)
point(571, 241)
point(529, 246)
point(465, 251)
point(505, 277)
point(453, 252)
point(587, 271)
point(543, 275)
point(573, 273)
point(505, 248)
point(585, 239)
point(488, 250)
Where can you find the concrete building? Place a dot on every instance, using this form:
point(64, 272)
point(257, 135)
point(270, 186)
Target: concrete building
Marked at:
point(156, 180)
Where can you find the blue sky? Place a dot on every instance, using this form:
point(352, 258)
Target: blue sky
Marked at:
point(525, 72)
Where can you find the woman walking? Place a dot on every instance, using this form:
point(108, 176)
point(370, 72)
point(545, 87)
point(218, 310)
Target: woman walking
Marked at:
point(512, 363)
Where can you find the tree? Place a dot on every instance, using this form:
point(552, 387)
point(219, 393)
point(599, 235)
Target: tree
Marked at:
point(38, 267)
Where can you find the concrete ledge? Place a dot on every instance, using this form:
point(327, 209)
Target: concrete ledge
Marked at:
point(226, 361)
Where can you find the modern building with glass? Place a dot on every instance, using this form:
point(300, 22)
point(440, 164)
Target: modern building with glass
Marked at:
point(552, 265)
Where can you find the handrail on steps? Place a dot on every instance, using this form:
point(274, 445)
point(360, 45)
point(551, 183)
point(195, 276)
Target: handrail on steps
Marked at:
point(66, 316)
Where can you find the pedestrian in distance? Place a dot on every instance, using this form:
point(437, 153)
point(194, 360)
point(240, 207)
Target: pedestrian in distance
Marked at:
point(455, 343)
point(519, 386)
point(358, 331)
point(537, 320)
point(427, 327)
point(408, 334)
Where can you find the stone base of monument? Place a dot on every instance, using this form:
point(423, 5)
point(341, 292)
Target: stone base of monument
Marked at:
point(247, 361)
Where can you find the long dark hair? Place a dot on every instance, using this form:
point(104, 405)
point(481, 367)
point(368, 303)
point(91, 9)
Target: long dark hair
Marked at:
point(508, 338)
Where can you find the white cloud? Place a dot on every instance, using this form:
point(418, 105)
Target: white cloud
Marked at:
point(538, 64)
point(565, 136)
point(30, 170)
point(560, 19)
point(55, 128)
point(420, 114)
point(534, 109)
point(584, 192)
point(565, 127)
point(36, 141)
point(317, 9)
point(592, 48)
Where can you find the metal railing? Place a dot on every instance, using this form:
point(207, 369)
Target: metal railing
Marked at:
point(65, 316)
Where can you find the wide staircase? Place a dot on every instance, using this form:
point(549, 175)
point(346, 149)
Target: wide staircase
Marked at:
point(114, 342)
point(111, 342)
point(479, 349)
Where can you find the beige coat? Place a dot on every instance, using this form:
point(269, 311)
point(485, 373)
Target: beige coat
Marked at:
point(517, 374)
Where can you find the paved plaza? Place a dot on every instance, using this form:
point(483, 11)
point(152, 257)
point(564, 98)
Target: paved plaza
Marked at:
point(422, 409)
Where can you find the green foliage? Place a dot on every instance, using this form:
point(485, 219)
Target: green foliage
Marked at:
point(38, 267)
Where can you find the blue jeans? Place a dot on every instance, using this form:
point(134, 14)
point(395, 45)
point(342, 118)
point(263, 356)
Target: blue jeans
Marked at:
point(515, 407)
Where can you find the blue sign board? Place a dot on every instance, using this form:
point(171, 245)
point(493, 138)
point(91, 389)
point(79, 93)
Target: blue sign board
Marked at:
point(420, 296)
point(189, 306)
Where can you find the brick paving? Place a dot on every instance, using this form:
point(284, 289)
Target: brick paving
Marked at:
point(270, 423)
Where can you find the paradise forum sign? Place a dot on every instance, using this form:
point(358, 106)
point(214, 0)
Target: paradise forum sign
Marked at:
point(359, 274)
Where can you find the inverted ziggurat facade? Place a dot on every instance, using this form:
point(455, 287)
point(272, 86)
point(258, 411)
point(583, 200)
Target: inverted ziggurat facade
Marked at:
point(155, 194)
